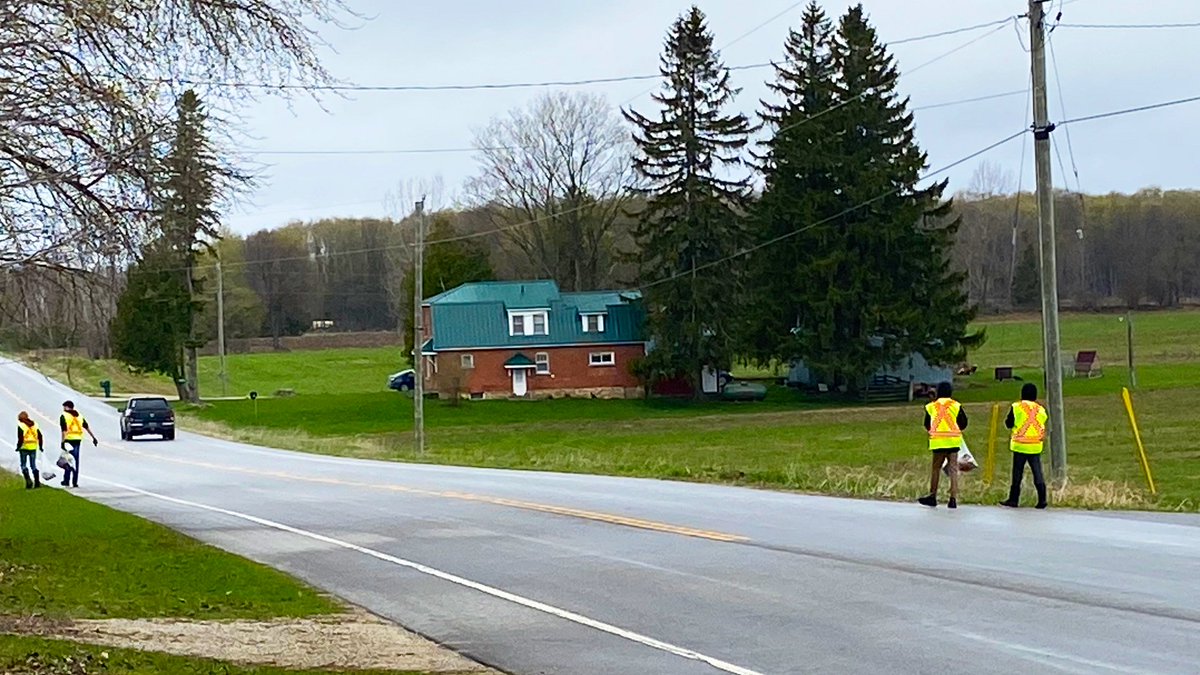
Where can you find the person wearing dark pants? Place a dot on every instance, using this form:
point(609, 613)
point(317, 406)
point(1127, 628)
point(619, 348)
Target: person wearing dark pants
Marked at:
point(29, 442)
point(1027, 420)
point(73, 426)
point(945, 421)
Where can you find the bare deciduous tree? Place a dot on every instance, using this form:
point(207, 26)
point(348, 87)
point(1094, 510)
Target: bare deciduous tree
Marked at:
point(563, 165)
point(88, 88)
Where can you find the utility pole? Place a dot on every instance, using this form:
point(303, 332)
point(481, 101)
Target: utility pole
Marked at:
point(224, 376)
point(418, 332)
point(1049, 264)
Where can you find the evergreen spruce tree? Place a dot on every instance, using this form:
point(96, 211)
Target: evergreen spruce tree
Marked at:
point(150, 327)
point(689, 157)
point(799, 166)
point(188, 224)
point(879, 285)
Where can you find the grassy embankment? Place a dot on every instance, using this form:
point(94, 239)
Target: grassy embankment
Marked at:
point(66, 559)
point(788, 441)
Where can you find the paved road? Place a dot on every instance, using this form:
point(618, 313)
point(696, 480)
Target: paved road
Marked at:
point(549, 573)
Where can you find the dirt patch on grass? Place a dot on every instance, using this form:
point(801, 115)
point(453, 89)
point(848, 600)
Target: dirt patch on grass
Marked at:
point(354, 641)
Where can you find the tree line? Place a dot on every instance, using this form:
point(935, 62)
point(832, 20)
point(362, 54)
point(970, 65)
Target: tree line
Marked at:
point(802, 231)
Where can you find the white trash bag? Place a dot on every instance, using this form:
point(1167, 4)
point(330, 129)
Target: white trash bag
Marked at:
point(966, 461)
point(65, 460)
point(44, 469)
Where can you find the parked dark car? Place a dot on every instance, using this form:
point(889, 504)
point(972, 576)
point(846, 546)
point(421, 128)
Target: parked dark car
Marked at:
point(147, 416)
point(402, 381)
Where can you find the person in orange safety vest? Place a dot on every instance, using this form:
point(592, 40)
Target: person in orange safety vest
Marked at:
point(1027, 419)
point(945, 420)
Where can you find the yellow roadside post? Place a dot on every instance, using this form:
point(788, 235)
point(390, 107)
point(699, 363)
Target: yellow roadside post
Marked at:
point(1137, 436)
point(990, 464)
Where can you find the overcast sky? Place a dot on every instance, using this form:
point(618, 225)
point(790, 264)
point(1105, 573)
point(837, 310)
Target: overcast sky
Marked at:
point(479, 42)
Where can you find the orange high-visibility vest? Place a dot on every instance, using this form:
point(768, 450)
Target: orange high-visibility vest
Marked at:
point(1029, 427)
point(944, 433)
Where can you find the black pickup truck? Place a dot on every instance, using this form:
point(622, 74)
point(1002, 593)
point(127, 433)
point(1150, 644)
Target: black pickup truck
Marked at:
point(147, 415)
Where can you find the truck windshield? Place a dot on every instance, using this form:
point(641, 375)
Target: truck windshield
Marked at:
point(149, 404)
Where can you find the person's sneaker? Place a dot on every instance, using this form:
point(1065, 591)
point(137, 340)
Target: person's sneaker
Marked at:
point(1009, 504)
point(1041, 505)
point(928, 500)
point(953, 503)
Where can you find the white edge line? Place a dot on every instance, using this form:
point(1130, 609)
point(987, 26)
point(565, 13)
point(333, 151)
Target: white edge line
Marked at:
point(460, 581)
point(1050, 654)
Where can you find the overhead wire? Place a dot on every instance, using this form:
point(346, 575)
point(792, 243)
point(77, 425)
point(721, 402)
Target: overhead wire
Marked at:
point(1132, 26)
point(845, 212)
point(536, 84)
point(864, 93)
point(412, 151)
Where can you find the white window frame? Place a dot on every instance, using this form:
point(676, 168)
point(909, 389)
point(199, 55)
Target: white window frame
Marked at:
point(584, 319)
point(542, 363)
point(467, 361)
point(602, 359)
point(527, 322)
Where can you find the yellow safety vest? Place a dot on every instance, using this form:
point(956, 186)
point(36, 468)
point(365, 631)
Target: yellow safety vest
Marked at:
point(74, 427)
point(944, 433)
point(29, 436)
point(1029, 427)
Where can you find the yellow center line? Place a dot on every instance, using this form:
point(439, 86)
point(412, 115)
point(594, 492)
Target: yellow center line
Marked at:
point(597, 516)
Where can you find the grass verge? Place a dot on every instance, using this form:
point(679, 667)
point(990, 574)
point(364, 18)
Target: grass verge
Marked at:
point(864, 452)
point(36, 656)
point(69, 558)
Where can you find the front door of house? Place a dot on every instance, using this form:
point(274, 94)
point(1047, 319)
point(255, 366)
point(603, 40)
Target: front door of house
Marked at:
point(518, 375)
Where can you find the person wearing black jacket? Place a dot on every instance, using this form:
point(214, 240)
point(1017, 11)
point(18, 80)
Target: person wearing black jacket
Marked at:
point(945, 420)
point(29, 443)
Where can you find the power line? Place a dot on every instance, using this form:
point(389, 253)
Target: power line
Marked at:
point(423, 151)
point(1130, 26)
point(1062, 106)
point(976, 99)
point(486, 86)
point(1130, 111)
point(845, 212)
point(930, 62)
point(955, 31)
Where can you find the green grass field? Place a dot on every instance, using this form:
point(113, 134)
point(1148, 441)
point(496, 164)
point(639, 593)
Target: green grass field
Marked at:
point(67, 558)
point(791, 441)
point(336, 371)
point(36, 656)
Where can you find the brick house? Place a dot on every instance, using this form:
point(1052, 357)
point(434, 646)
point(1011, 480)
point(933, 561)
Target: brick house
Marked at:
point(506, 339)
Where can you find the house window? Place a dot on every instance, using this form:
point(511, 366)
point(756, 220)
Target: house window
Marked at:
point(602, 359)
point(593, 323)
point(468, 361)
point(528, 323)
point(542, 359)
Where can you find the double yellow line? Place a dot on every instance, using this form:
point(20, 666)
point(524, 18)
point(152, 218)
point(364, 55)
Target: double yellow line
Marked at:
point(611, 519)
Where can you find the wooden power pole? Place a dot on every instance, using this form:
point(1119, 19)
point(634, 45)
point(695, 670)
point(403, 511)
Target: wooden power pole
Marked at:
point(224, 376)
point(418, 331)
point(1046, 234)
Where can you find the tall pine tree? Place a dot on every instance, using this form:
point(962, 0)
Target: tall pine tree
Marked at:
point(799, 163)
point(690, 160)
point(878, 284)
point(192, 180)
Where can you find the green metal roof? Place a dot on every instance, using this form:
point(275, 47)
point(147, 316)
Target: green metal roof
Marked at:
point(514, 294)
point(519, 360)
point(475, 315)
